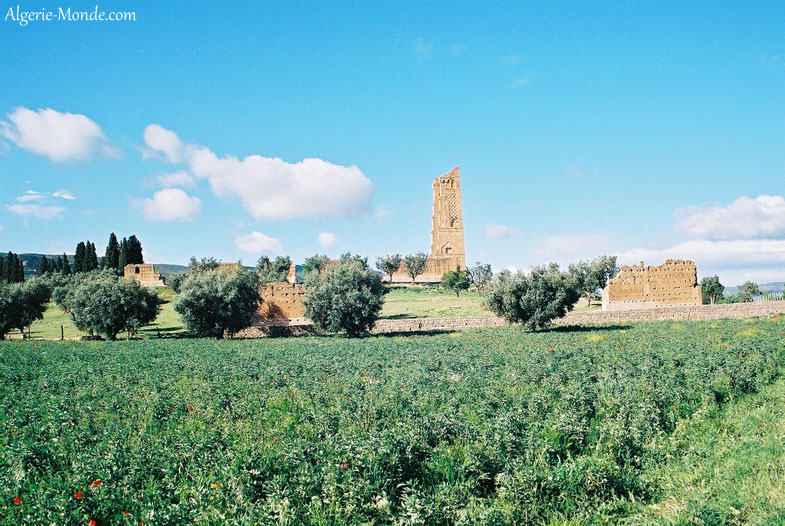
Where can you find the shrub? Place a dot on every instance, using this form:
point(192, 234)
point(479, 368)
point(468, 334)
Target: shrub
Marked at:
point(345, 297)
point(212, 303)
point(105, 304)
point(456, 280)
point(532, 300)
point(28, 302)
point(415, 264)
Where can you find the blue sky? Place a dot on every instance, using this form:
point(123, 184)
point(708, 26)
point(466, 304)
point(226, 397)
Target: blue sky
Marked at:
point(643, 129)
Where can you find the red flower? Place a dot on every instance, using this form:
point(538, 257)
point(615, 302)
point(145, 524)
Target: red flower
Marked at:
point(171, 407)
point(96, 482)
point(91, 522)
point(217, 485)
point(126, 512)
point(17, 501)
point(78, 495)
point(190, 409)
point(345, 465)
point(676, 409)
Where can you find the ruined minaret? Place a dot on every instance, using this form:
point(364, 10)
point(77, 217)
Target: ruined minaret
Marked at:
point(447, 247)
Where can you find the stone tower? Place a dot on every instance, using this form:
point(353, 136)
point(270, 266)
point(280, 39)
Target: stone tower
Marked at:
point(447, 246)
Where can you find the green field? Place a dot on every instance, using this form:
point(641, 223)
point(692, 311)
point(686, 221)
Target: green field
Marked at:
point(661, 423)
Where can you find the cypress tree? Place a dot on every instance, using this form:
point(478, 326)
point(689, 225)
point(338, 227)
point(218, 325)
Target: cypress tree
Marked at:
point(79, 258)
point(91, 258)
point(20, 270)
point(112, 254)
point(10, 268)
point(135, 251)
point(122, 258)
point(66, 267)
point(2, 269)
point(58, 265)
point(43, 266)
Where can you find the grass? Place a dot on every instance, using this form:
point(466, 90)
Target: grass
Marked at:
point(727, 466)
point(658, 423)
point(431, 302)
point(168, 322)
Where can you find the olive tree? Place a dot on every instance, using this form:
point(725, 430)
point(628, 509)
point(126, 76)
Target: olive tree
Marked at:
point(415, 264)
point(389, 265)
point(273, 270)
point(28, 302)
point(590, 276)
point(479, 275)
point(533, 299)
point(456, 280)
point(346, 297)
point(712, 290)
point(218, 302)
point(747, 291)
point(105, 304)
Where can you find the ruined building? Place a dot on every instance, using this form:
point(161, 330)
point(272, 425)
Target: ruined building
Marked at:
point(447, 246)
point(144, 274)
point(675, 282)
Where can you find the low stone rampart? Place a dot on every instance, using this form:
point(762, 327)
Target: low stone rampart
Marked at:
point(298, 326)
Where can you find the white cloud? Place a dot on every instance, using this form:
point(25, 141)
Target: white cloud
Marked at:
point(270, 188)
point(326, 239)
point(511, 60)
point(170, 204)
point(573, 246)
point(737, 252)
point(64, 194)
point(257, 242)
point(745, 218)
point(179, 178)
point(58, 136)
point(492, 230)
point(37, 211)
point(159, 139)
point(31, 195)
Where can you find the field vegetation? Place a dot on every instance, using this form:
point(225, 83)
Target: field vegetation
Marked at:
point(606, 425)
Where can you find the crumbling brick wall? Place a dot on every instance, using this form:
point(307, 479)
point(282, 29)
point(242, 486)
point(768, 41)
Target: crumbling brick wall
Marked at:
point(675, 282)
point(145, 274)
point(282, 300)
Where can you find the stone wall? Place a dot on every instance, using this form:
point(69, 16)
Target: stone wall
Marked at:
point(635, 287)
point(282, 300)
point(144, 274)
point(285, 327)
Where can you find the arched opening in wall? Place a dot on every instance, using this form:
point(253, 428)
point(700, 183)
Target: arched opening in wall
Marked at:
point(447, 249)
point(454, 222)
point(137, 270)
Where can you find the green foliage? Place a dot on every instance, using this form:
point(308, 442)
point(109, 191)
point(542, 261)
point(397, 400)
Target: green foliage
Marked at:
point(456, 280)
point(590, 276)
point(415, 264)
point(43, 266)
point(747, 292)
point(533, 299)
point(215, 302)
point(497, 427)
point(134, 248)
point(175, 281)
point(345, 297)
point(271, 271)
point(712, 290)
point(111, 260)
point(479, 275)
point(389, 265)
point(6, 309)
point(13, 269)
point(79, 258)
point(102, 303)
point(66, 267)
point(315, 263)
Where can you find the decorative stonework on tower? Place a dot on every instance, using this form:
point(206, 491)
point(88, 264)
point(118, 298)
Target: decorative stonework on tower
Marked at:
point(447, 246)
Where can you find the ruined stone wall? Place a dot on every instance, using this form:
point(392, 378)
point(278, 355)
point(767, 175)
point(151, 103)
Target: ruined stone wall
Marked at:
point(282, 300)
point(675, 282)
point(144, 274)
point(676, 313)
point(447, 241)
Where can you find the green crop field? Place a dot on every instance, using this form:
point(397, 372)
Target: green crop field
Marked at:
point(661, 423)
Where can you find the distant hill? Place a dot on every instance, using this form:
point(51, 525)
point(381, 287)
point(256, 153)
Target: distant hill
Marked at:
point(775, 286)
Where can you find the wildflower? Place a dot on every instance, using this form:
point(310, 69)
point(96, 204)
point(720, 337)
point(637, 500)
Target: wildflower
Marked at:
point(676, 409)
point(217, 485)
point(96, 482)
point(190, 409)
point(292, 394)
point(91, 522)
point(126, 512)
point(78, 495)
point(17, 501)
point(345, 465)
